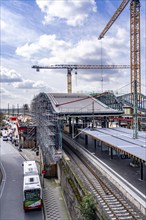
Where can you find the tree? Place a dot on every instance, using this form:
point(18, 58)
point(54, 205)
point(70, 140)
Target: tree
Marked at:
point(1, 118)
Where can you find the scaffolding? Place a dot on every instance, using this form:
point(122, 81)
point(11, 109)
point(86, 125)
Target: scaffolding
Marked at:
point(48, 127)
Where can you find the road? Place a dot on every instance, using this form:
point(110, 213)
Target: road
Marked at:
point(11, 197)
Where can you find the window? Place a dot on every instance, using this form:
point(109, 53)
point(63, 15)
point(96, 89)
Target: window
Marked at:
point(32, 194)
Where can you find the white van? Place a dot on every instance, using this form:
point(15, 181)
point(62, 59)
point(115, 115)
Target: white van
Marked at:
point(5, 135)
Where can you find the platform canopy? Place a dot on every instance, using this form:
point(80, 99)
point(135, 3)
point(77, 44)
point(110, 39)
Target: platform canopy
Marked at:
point(121, 139)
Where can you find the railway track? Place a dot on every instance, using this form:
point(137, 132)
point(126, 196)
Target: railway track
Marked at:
point(111, 201)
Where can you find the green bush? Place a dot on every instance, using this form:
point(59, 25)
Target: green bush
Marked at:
point(88, 207)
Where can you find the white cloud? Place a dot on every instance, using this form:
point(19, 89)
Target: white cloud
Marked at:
point(2, 90)
point(9, 76)
point(27, 50)
point(44, 43)
point(6, 95)
point(3, 25)
point(34, 85)
point(72, 12)
point(49, 49)
point(39, 84)
point(51, 42)
point(26, 84)
point(29, 84)
point(59, 50)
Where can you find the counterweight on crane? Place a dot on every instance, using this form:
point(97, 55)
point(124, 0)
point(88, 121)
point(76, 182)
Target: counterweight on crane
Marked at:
point(135, 69)
point(75, 67)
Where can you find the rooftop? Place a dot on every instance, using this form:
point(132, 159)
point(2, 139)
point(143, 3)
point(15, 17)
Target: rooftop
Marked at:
point(79, 104)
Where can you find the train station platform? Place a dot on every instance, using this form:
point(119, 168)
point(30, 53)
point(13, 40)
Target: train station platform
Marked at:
point(54, 204)
point(118, 163)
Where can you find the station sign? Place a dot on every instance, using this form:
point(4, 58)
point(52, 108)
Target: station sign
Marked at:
point(57, 155)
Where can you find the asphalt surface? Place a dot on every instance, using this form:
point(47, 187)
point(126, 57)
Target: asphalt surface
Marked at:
point(54, 203)
point(11, 188)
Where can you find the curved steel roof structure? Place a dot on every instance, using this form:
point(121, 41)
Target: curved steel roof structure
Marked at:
point(79, 104)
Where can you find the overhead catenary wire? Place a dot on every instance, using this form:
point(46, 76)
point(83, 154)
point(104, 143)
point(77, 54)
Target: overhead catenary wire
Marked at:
point(122, 87)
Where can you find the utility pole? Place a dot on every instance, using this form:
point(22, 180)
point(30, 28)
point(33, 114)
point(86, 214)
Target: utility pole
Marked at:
point(13, 109)
point(8, 109)
point(18, 109)
point(59, 124)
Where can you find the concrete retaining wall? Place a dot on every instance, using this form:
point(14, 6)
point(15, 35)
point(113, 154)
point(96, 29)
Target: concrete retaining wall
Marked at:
point(72, 189)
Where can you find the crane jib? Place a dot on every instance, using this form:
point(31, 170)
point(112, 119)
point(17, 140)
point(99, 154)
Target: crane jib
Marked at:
point(71, 67)
point(135, 55)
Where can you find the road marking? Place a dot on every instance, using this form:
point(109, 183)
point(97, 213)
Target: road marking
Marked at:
point(2, 185)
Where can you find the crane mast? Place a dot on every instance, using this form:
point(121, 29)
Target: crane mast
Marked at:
point(75, 67)
point(135, 69)
point(69, 80)
point(135, 45)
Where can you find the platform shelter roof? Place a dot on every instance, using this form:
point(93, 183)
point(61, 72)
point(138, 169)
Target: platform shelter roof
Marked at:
point(121, 139)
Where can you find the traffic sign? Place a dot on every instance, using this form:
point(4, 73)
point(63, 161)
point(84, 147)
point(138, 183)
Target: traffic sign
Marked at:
point(43, 171)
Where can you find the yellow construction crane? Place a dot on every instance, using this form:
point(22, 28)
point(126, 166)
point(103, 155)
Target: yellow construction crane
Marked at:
point(135, 70)
point(75, 67)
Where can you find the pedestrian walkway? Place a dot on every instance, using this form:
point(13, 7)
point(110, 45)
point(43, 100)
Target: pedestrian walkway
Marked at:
point(54, 204)
point(55, 208)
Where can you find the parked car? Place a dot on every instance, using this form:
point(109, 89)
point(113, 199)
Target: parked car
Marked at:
point(15, 140)
point(10, 137)
point(5, 138)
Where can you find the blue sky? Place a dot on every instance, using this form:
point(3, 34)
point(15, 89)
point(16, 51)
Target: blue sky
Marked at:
point(46, 32)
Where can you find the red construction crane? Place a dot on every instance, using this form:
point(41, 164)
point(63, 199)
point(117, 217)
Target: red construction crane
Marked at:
point(135, 74)
point(75, 67)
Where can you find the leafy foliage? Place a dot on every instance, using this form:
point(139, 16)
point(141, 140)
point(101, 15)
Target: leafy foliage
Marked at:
point(88, 207)
point(1, 118)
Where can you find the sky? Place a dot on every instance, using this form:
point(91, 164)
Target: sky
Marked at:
point(53, 32)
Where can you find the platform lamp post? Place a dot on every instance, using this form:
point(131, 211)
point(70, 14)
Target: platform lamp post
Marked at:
point(93, 115)
point(38, 114)
point(135, 121)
